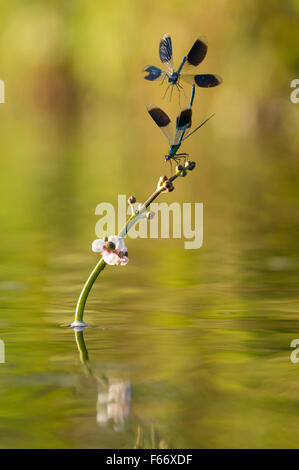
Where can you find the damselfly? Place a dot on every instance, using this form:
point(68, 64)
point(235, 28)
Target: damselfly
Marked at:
point(183, 123)
point(194, 57)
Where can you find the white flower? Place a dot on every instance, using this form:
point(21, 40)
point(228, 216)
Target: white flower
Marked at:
point(113, 250)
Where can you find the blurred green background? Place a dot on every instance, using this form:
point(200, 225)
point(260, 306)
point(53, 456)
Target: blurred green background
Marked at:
point(190, 348)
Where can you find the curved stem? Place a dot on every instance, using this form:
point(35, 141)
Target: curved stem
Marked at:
point(101, 264)
point(86, 289)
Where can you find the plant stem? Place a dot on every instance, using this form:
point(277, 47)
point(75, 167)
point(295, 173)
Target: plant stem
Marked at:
point(86, 289)
point(132, 220)
point(101, 264)
point(79, 335)
point(102, 379)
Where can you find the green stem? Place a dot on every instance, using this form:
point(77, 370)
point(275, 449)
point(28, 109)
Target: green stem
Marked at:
point(132, 220)
point(101, 264)
point(79, 335)
point(86, 289)
point(84, 359)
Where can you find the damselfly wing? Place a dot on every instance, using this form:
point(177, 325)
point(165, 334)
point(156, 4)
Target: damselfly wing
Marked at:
point(183, 122)
point(182, 132)
point(165, 52)
point(162, 121)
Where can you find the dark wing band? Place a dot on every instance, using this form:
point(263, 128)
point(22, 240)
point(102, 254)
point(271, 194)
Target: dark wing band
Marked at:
point(197, 52)
point(184, 119)
point(162, 120)
point(207, 80)
point(158, 115)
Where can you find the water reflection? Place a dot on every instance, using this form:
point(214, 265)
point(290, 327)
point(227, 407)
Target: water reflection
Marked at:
point(113, 403)
point(114, 394)
point(114, 400)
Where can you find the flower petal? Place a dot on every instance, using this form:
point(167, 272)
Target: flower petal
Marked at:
point(111, 258)
point(118, 242)
point(98, 245)
point(123, 261)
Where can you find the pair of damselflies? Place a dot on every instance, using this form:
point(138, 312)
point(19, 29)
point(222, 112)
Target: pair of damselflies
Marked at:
point(184, 120)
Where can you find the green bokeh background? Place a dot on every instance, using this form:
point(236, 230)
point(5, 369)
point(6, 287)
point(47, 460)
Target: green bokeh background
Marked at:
point(204, 335)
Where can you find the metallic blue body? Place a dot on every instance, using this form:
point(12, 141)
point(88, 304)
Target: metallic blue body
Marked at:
point(175, 75)
point(174, 148)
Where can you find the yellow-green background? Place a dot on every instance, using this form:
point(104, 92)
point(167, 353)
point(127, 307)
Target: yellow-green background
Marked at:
point(202, 335)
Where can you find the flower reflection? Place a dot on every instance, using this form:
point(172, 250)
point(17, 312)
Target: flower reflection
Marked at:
point(113, 406)
point(114, 394)
point(114, 403)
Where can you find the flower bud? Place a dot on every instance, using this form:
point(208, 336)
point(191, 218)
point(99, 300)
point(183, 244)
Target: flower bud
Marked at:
point(161, 181)
point(190, 165)
point(131, 200)
point(179, 168)
point(168, 185)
